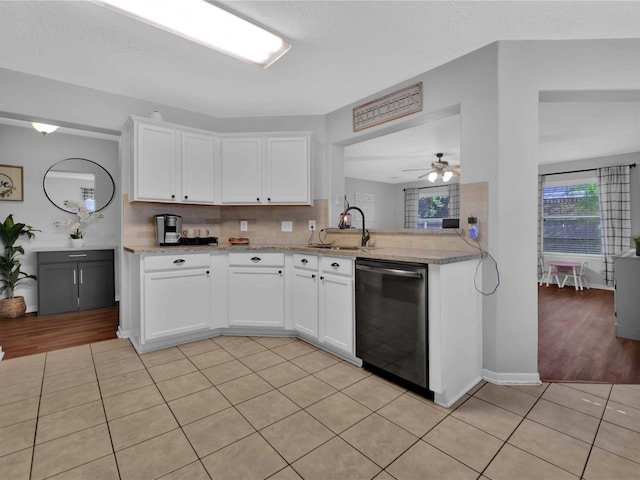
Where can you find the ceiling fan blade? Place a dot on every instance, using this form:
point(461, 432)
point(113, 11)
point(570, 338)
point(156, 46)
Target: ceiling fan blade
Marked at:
point(422, 176)
point(414, 169)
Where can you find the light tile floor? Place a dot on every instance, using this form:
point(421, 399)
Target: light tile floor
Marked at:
point(267, 407)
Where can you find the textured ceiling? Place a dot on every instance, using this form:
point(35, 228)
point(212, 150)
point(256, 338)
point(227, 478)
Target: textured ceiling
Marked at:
point(342, 51)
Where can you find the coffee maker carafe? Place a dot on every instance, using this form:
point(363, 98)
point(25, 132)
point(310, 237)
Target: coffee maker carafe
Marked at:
point(168, 228)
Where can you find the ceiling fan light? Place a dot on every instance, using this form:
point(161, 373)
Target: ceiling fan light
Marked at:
point(432, 176)
point(44, 128)
point(447, 176)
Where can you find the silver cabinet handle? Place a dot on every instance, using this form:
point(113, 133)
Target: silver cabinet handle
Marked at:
point(80, 277)
point(74, 277)
point(255, 259)
point(179, 261)
point(72, 255)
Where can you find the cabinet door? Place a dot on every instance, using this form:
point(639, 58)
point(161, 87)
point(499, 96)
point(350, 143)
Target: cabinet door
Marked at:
point(57, 288)
point(241, 170)
point(198, 157)
point(287, 177)
point(305, 302)
point(256, 297)
point(336, 312)
point(175, 303)
point(156, 164)
point(96, 285)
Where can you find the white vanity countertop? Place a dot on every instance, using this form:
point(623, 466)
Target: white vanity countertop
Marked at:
point(399, 254)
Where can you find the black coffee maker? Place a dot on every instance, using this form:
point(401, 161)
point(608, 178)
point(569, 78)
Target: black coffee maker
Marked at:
point(168, 229)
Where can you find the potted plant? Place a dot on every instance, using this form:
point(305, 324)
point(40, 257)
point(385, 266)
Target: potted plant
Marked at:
point(10, 273)
point(636, 238)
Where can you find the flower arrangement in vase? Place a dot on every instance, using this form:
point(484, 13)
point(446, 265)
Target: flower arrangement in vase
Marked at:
point(84, 216)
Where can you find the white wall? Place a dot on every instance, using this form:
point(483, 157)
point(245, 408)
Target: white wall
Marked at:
point(36, 153)
point(497, 88)
point(383, 202)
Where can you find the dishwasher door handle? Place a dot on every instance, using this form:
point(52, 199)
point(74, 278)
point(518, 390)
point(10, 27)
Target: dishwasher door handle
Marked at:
point(390, 271)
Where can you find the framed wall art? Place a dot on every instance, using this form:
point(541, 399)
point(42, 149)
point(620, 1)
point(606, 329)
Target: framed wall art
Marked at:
point(11, 183)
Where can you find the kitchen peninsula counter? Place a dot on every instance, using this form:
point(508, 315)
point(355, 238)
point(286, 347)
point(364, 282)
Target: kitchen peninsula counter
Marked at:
point(417, 255)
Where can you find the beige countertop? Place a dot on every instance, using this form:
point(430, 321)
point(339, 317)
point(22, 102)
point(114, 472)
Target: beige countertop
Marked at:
point(384, 253)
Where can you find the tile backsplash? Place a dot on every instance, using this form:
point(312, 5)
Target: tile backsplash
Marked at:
point(265, 222)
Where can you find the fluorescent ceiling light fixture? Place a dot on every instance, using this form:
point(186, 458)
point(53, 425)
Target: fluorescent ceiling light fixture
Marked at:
point(43, 128)
point(208, 25)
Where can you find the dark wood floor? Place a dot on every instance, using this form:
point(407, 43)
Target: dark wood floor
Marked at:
point(576, 338)
point(32, 334)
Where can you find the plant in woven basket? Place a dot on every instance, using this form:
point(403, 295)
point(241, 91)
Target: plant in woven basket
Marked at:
point(10, 266)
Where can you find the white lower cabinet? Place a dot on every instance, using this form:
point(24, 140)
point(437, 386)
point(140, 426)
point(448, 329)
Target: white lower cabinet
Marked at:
point(176, 297)
point(323, 306)
point(337, 316)
point(304, 297)
point(256, 289)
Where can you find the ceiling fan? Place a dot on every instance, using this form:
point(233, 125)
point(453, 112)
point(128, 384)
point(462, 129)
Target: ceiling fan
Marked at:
point(439, 168)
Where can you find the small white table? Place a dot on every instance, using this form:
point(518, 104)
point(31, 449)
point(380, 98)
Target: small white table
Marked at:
point(567, 269)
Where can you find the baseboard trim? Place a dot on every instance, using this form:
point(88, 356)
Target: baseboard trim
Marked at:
point(123, 333)
point(511, 378)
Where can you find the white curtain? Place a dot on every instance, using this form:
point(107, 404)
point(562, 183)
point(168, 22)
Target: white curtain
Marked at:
point(615, 214)
point(454, 200)
point(540, 246)
point(411, 197)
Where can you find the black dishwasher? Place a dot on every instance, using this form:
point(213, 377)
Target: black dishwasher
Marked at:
point(391, 321)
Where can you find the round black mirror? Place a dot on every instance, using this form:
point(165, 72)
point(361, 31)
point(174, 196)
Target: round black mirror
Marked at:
point(79, 180)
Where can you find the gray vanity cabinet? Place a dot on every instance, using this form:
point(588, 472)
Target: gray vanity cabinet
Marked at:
point(73, 280)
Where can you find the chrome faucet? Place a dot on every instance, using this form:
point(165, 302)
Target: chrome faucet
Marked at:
point(365, 232)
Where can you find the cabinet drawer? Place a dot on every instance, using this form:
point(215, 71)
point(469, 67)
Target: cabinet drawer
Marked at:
point(256, 259)
point(74, 256)
point(306, 262)
point(175, 262)
point(339, 265)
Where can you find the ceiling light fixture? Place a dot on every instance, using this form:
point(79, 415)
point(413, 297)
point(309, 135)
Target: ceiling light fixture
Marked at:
point(443, 169)
point(208, 25)
point(44, 128)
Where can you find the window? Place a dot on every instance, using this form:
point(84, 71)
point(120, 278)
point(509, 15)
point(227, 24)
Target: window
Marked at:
point(571, 217)
point(433, 206)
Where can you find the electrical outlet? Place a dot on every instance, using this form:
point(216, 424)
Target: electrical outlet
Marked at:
point(312, 225)
point(287, 226)
point(244, 225)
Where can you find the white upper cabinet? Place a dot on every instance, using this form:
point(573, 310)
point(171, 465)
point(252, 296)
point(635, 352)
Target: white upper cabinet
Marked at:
point(198, 167)
point(266, 170)
point(156, 173)
point(242, 170)
point(287, 178)
point(172, 165)
point(175, 164)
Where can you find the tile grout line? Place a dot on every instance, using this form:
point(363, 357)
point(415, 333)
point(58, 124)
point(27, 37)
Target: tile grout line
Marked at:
point(511, 434)
point(35, 432)
point(104, 410)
